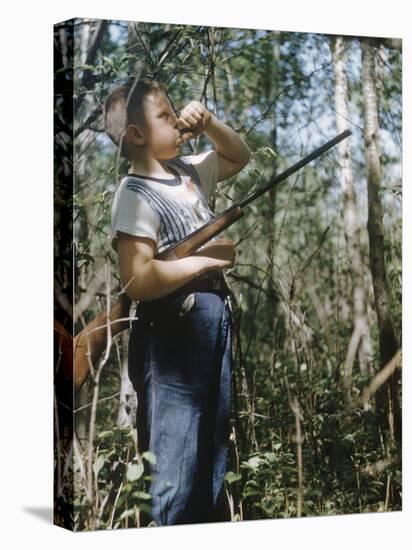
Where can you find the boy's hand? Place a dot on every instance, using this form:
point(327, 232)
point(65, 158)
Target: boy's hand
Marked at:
point(194, 117)
point(221, 251)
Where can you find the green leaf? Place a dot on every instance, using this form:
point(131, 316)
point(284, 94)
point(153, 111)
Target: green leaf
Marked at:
point(150, 457)
point(104, 433)
point(251, 483)
point(127, 487)
point(143, 507)
point(134, 471)
point(271, 457)
point(127, 514)
point(142, 495)
point(98, 464)
point(255, 462)
point(231, 477)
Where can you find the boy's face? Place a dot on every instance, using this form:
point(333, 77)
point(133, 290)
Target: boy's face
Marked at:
point(161, 135)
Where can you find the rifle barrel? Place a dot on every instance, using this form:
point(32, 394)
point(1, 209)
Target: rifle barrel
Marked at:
point(295, 167)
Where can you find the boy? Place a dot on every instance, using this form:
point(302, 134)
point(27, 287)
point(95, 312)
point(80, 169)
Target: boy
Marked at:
point(180, 346)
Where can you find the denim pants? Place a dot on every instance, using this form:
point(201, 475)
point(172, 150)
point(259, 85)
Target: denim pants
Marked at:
point(180, 364)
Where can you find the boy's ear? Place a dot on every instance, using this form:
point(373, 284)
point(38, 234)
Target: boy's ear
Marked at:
point(134, 135)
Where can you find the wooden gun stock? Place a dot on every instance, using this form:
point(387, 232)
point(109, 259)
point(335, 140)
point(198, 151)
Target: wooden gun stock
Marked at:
point(201, 236)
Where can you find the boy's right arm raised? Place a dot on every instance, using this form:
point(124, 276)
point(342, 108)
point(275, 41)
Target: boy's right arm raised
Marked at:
point(145, 278)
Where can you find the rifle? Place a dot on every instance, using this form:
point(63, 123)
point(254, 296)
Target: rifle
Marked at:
point(185, 247)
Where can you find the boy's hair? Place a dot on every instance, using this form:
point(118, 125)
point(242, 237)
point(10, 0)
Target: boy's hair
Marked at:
point(124, 106)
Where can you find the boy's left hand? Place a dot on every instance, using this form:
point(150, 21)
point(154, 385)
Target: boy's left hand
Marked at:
point(194, 117)
point(220, 249)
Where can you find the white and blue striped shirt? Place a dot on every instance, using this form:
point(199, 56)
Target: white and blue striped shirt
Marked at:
point(166, 210)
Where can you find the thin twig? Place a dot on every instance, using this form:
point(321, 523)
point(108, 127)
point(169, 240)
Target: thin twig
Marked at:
point(99, 401)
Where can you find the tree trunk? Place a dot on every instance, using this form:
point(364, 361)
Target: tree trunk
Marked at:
point(360, 341)
point(274, 311)
point(273, 305)
point(88, 79)
point(388, 345)
point(88, 46)
point(273, 63)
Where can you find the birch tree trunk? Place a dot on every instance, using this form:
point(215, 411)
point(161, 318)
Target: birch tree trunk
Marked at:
point(388, 345)
point(83, 103)
point(273, 310)
point(360, 341)
point(273, 63)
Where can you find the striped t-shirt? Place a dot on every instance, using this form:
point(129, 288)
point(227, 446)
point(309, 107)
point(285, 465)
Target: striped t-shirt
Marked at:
point(166, 210)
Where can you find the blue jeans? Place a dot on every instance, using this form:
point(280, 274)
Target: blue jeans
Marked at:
point(180, 363)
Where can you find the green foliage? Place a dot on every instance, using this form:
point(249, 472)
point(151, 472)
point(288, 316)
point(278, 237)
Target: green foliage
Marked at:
point(122, 477)
point(345, 470)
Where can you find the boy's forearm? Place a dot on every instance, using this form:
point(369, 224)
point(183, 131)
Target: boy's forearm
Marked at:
point(227, 142)
point(159, 278)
